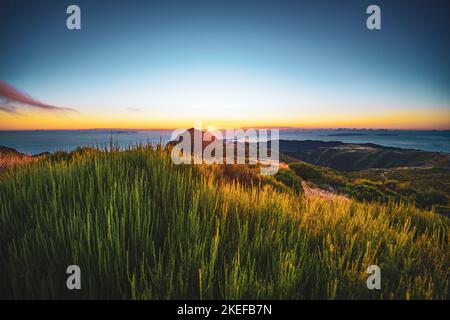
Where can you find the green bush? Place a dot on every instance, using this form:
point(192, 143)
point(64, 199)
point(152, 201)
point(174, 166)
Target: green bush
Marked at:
point(290, 179)
point(364, 192)
point(305, 170)
point(430, 197)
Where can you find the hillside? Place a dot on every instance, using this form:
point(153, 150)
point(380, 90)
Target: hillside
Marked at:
point(10, 157)
point(427, 188)
point(142, 228)
point(342, 156)
point(354, 157)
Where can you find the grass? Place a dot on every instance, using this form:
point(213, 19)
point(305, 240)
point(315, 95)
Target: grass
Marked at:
point(141, 228)
point(9, 160)
point(427, 188)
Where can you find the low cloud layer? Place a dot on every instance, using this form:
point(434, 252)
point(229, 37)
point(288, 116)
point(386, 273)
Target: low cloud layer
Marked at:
point(12, 99)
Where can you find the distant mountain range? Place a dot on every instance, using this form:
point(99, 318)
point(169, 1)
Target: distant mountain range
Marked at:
point(353, 157)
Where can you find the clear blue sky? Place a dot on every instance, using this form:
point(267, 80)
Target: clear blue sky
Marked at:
point(181, 57)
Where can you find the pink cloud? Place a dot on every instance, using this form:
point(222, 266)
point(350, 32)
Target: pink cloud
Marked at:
point(11, 96)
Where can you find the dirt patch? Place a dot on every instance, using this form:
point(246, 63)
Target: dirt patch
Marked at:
point(323, 194)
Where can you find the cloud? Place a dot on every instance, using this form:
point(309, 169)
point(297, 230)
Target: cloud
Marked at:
point(8, 108)
point(11, 98)
point(134, 109)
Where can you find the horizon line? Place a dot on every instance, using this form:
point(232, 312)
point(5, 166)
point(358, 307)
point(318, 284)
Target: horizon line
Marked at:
point(232, 128)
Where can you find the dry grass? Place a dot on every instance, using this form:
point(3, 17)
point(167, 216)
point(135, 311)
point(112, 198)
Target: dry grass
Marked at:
point(9, 161)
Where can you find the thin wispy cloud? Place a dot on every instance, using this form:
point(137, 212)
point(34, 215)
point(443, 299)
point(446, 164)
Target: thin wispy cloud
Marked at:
point(134, 109)
point(11, 100)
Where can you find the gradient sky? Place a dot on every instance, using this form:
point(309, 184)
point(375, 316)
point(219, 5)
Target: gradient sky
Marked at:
point(164, 64)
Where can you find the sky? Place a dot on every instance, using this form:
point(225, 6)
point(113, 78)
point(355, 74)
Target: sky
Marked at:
point(166, 64)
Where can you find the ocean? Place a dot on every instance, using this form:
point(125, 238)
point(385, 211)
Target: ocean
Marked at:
point(33, 142)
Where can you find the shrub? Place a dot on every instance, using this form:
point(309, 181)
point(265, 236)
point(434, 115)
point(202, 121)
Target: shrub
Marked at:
point(430, 197)
point(290, 179)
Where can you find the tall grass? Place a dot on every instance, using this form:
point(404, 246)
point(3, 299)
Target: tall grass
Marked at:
point(142, 228)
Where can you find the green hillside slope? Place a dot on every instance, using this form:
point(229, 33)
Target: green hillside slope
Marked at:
point(140, 227)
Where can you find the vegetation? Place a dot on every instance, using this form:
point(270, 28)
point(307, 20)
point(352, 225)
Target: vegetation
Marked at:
point(427, 189)
point(350, 157)
point(9, 158)
point(289, 179)
point(142, 228)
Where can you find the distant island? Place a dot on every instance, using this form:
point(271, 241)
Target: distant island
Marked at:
point(347, 134)
point(351, 134)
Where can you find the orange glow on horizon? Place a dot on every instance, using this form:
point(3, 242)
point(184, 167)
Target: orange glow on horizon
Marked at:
point(419, 120)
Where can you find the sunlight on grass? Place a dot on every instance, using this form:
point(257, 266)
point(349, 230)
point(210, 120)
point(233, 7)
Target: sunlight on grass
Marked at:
point(140, 227)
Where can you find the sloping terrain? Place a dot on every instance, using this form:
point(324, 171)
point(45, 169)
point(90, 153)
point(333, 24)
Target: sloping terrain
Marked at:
point(140, 227)
point(354, 157)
